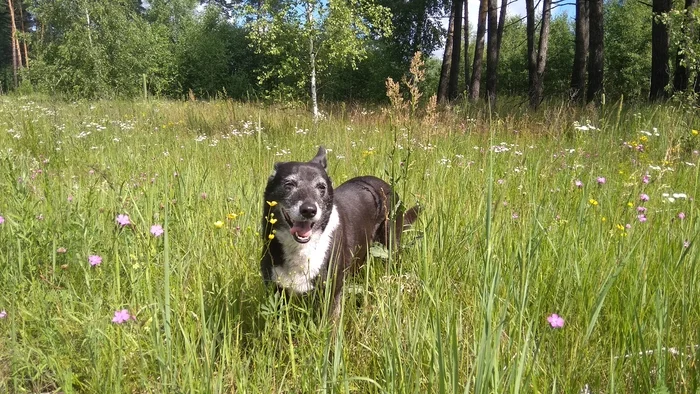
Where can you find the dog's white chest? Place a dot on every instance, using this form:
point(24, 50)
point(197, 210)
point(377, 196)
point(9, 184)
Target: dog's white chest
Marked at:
point(303, 262)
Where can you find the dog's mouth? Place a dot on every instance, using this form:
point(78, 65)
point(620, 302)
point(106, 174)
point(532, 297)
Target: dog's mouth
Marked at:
point(301, 230)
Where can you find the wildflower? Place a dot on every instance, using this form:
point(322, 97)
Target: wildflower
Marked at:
point(3, 314)
point(70, 198)
point(641, 209)
point(686, 243)
point(645, 179)
point(628, 226)
point(271, 203)
point(630, 204)
point(694, 132)
point(218, 224)
point(603, 219)
point(644, 197)
point(515, 216)
point(271, 236)
point(593, 202)
point(642, 218)
point(620, 227)
point(555, 321)
point(157, 230)
point(644, 138)
point(681, 215)
point(231, 216)
point(578, 183)
point(203, 196)
point(600, 180)
point(61, 250)
point(121, 316)
point(2, 220)
point(273, 221)
point(94, 260)
point(123, 220)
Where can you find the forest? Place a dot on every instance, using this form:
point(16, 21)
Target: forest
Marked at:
point(305, 51)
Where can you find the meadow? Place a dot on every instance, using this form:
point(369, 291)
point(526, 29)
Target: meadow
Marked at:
point(129, 250)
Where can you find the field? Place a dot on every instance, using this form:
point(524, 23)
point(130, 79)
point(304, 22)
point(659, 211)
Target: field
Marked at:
point(589, 214)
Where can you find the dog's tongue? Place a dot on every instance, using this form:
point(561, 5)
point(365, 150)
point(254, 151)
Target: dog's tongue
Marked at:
point(301, 229)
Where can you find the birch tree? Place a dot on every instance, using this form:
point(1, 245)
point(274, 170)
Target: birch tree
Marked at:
point(304, 37)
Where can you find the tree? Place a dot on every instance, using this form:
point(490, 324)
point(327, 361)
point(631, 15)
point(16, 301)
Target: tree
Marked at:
point(660, 42)
point(681, 73)
point(443, 94)
point(304, 37)
point(596, 58)
point(537, 59)
point(466, 46)
point(578, 74)
point(453, 89)
point(475, 85)
point(492, 53)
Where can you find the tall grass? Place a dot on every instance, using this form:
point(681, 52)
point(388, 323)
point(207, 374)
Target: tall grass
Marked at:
point(505, 239)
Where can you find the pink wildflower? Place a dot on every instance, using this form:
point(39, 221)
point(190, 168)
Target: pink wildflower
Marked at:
point(94, 260)
point(121, 316)
point(600, 180)
point(157, 230)
point(686, 243)
point(555, 321)
point(2, 220)
point(641, 209)
point(123, 220)
point(3, 314)
point(578, 183)
point(644, 197)
point(645, 179)
point(642, 218)
point(681, 215)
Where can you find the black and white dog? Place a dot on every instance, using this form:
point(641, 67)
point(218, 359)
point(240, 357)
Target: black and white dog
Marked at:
point(313, 232)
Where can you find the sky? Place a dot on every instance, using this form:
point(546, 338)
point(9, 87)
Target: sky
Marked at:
point(515, 8)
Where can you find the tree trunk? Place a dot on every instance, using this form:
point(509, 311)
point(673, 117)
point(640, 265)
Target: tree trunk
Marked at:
point(453, 90)
point(312, 61)
point(444, 84)
point(478, 51)
point(595, 59)
point(24, 40)
point(538, 92)
point(531, 54)
point(501, 26)
point(659, 51)
point(681, 75)
point(16, 54)
point(492, 52)
point(466, 47)
point(578, 74)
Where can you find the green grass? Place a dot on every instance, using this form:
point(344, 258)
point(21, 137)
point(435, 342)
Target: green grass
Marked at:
point(505, 239)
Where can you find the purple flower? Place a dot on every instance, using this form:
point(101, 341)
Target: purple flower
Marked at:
point(578, 183)
point(70, 198)
point(645, 179)
point(641, 209)
point(628, 226)
point(501, 181)
point(600, 180)
point(121, 316)
point(686, 243)
point(644, 197)
point(157, 230)
point(555, 321)
point(515, 216)
point(2, 220)
point(681, 215)
point(94, 260)
point(123, 220)
point(642, 218)
point(204, 196)
point(3, 314)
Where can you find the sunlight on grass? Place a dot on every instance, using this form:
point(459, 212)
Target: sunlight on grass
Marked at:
point(556, 252)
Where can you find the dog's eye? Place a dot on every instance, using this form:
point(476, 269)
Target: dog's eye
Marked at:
point(289, 185)
point(321, 188)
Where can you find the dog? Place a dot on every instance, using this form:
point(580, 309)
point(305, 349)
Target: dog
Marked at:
point(313, 232)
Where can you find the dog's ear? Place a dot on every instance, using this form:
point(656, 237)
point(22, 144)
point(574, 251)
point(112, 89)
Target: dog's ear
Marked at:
point(320, 157)
point(274, 170)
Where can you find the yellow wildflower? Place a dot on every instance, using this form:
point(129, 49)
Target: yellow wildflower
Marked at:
point(273, 221)
point(630, 204)
point(694, 132)
point(593, 202)
point(218, 224)
point(271, 236)
point(271, 203)
point(643, 138)
point(231, 216)
point(620, 227)
point(603, 219)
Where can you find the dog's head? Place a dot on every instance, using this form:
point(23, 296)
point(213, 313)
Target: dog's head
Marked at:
point(304, 196)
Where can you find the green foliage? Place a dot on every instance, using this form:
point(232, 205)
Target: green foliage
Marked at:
point(627, 50)
point(99, 49)
point(339, 30)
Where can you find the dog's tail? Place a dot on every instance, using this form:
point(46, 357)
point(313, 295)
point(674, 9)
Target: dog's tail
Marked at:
point(410, 216)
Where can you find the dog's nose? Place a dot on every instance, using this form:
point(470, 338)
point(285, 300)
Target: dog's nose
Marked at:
point(308, 210)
